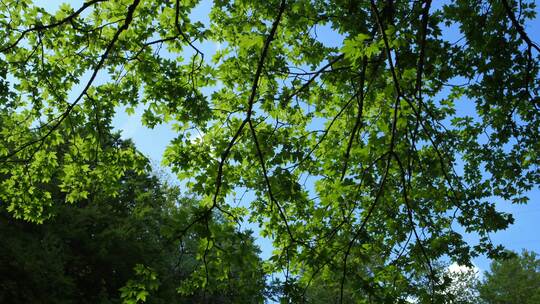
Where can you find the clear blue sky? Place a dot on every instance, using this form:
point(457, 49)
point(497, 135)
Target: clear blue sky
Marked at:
point(525, 233)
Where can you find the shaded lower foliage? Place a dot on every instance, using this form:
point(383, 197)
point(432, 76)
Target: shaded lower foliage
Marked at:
point(87, 251)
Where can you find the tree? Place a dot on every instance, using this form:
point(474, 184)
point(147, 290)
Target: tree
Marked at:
point(462, 285)
point(513, 280)
point(113, 249)
point(354, 147)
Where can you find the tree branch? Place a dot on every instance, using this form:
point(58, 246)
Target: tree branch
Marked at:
point(96, 70)
point(251, 101)
point(51, 25)
point(518, 26)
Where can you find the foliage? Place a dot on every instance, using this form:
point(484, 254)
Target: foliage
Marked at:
point(138, 289)
point(361, 152)
point(110, 248)
point(462, 285)
point(513, 280)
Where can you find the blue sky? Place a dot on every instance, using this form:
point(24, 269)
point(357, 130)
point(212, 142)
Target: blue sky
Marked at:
point(152, 142)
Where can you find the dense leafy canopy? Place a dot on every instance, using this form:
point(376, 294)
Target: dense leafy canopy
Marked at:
point(514, 280)
point(361, 152)
point(124, 249)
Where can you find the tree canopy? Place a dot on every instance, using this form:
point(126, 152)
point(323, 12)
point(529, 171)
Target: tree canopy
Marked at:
point(361, 152)
point(513, 280)
point(124, 249)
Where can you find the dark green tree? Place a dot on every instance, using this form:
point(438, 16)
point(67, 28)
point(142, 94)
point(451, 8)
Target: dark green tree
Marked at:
point(95, 251)
point(512, 280)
